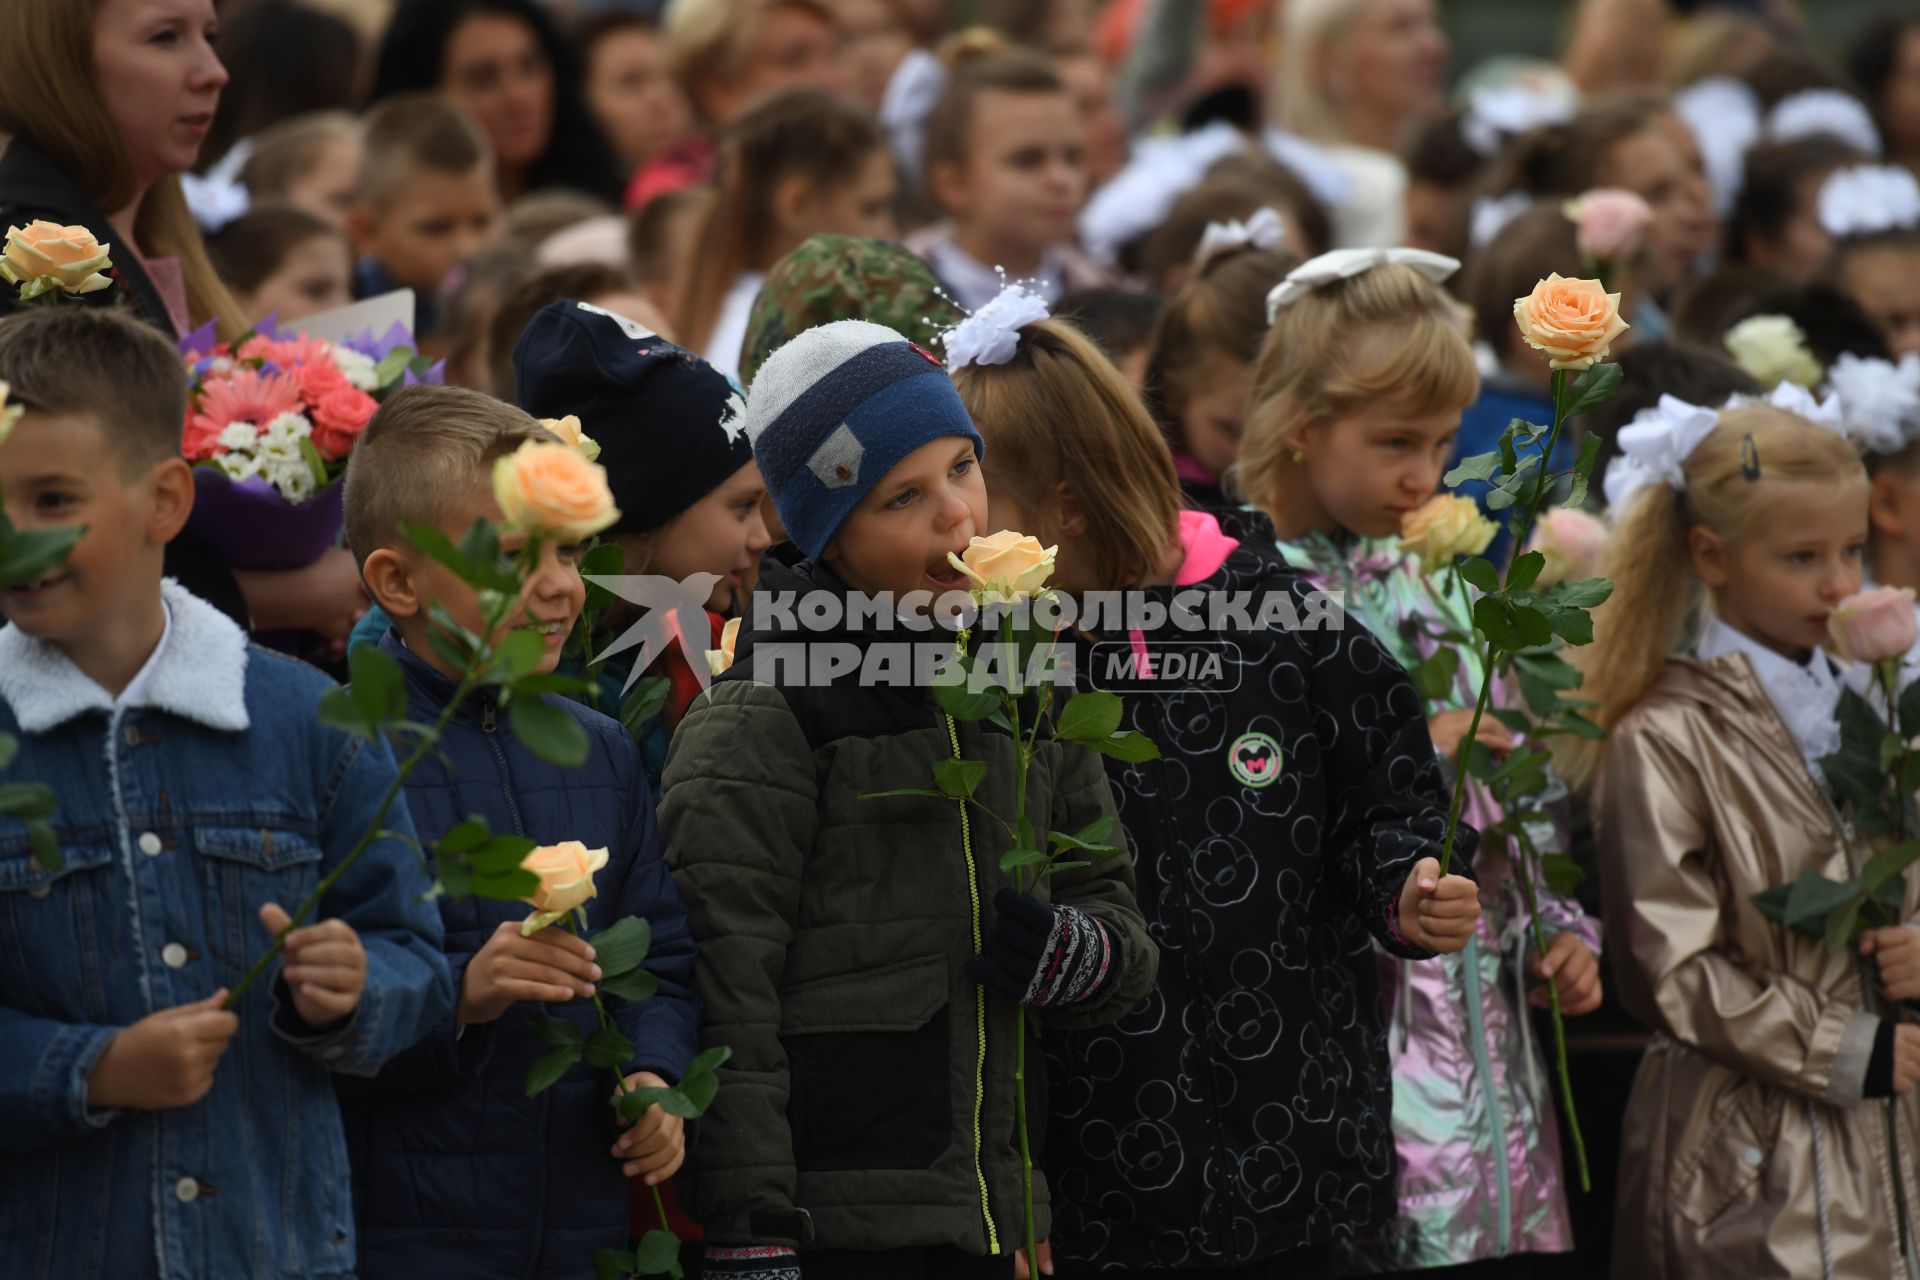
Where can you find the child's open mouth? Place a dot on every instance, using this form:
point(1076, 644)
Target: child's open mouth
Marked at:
point(945, 577)
point(31, 591)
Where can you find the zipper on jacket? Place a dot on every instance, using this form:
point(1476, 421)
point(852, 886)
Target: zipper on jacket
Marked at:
point(489, 725)
point(979, 1007)
point(1477, 1034)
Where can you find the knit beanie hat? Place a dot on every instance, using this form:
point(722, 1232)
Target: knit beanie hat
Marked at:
point(671, 428)
point(832, 278)
point(834, 410)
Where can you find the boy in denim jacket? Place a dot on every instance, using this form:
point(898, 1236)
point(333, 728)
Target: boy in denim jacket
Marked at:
point(146, 1129)
point(457, 1172)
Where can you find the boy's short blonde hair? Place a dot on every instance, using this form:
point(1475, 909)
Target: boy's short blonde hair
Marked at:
point(1386, 335)
point(414, 132)
point(106, 365)
point(427, 451)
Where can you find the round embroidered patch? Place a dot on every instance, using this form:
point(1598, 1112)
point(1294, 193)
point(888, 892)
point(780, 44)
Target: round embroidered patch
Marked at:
point(1254, 760)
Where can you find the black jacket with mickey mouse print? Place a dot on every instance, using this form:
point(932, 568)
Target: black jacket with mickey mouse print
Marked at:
point(1243, 1111)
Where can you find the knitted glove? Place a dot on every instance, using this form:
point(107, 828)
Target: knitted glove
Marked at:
point(1042, 955)
point(752, 1262)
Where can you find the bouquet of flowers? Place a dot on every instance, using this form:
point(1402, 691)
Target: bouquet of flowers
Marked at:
point(271, 419)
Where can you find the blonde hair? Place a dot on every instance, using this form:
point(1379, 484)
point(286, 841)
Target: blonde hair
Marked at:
point(427, 450)
point(49, 96)
point(1648, 558)
point(286, 152)
point(1059, 411)
point(1387, 334)
point(414, 133)
point(708, 39)
point(1310, 28)
point(1219, 309)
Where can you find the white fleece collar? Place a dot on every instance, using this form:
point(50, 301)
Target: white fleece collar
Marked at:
point(200, 673)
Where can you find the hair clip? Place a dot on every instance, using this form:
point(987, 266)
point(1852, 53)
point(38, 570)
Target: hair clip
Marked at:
point(1749, 458)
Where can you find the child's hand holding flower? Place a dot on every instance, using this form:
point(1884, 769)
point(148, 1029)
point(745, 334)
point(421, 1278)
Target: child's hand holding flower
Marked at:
point(1574, 971)
point(1897, 952)
point(325, 967)
point(1438, 912)
point(654, 1146)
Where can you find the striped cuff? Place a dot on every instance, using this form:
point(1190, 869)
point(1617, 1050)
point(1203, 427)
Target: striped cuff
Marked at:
point(1078, 953)
point(753, 1262)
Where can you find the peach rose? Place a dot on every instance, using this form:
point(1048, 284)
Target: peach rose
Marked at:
point(1573, 543)
point(571, 433)
point(550, 489)
point(1573, 321)
point(1874, 626)
point(566, 881)
point(1610, 224)
point(720, 659)
point(45, 257)
point(1007, 567)
point(1445, 527)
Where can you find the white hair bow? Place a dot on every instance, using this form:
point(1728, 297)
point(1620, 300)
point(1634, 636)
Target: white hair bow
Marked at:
point(1866, 198)
point(1494, 115)
point(1724, 116)
point(1344, 264)
point(1494, 214)
point(991, 335)
point(218, 197)
point(1139, 197)
point(1822, 411)
point(1880, 400)
point(1824, 111)
point(1654, 448)
point(1263, 230)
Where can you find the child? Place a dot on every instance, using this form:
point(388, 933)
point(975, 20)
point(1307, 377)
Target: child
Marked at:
point(1873, 214)
point(166, 1128)
point(284, 263)
point(797, 164)
point(605, 287)
point(1200, 364)
point(427, 200)
point(1261, 891)
point(311, 162)
point(628, 89)
point(1775, 222)
point(860, 955)
point(1747, 1150)
point(642, 399)
point(660, 237)
point(1005, 160)
point(1120, 322)
point(1356, 401)
point(441, 1140)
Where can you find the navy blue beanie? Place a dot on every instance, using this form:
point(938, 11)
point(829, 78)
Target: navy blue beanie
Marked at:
point(837, 408)
point(671, 428)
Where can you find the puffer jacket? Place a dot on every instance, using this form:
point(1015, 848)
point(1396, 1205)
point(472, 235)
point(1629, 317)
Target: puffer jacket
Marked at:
point(869, 1102)
point(456, 1171)
point(1241, 1114)
point(1748, 1151)
point(1473, 1097)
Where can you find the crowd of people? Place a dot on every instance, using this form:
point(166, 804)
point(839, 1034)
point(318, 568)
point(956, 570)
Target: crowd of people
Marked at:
point(1207, 296)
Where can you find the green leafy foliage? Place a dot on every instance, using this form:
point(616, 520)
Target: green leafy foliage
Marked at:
point(26, 555)
point(644, 701)
point(952, 691)
point(608, 1049)
point(548, 731)
point(1592, 389)
point(658, 1254)
point(1128, 747)
point(1583, 471)
point(622, 946)
point(1435, 675)
point(374, 700)
point(546, 1072)
point(959, 779)
point(1090, 716)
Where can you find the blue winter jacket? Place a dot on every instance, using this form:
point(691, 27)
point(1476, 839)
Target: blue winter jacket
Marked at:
point(456, 1171)
point(182, 810)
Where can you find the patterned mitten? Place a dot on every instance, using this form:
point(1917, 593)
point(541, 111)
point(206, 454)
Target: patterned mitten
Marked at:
point(1040, 954)
point(752, 1262)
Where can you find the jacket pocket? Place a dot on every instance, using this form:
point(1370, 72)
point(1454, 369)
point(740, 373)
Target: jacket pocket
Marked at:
point(242, 868)
point(1732, 1154)
point(69, 913)
point(868, 1057)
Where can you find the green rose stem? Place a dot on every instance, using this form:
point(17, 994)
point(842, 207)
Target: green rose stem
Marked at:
point(1527, 514)
point(468, 683)
point(1559, 1025)
point(1023, 756)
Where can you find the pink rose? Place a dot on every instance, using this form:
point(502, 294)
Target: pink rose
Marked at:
point(1574, 544)
point(338, 419)
point(1874, 626)
point(1610, 224)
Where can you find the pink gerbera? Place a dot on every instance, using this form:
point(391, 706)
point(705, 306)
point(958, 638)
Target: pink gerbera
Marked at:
point(287, 352)
point(241, 396)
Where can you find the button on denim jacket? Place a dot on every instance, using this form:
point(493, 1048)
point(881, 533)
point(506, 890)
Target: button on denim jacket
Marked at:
point(178, 817)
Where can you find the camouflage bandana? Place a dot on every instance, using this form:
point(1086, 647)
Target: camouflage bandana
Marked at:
point(833, 278)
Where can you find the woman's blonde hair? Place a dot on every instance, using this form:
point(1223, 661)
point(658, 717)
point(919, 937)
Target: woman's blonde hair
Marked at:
point(1060, 412)
point(1309, 29)
point(49, 96)
point(1388, 334)
point(1649, 560)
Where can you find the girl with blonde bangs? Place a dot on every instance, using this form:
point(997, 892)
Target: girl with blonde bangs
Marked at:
point(1747, 1149)
point(102, 122)
point(1289, 818)
point(1357, 401)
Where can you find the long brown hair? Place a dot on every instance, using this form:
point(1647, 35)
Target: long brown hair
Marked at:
point(49, 97)
point(1060, 412)
point(811, 133)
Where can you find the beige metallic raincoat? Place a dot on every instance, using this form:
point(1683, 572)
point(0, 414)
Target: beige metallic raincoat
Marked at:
point(1748, 1152)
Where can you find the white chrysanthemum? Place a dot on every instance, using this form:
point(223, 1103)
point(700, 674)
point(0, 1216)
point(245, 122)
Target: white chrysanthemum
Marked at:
point(359, 368)
point(286, 432)
point(293, 479)
point(239, 437)
point(1864, 199)
point(240, 466)
point(220, 365)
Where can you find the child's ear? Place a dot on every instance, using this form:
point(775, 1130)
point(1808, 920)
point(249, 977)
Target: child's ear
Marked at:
point(794, 198)
point(1885, 509)
point(1071, 520)
point(1709, 556)
point(389, 580)
point(948, 182)
point(362, 226)
point(172, 501)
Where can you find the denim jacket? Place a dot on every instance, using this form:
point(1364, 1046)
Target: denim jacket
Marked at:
point(217, 791)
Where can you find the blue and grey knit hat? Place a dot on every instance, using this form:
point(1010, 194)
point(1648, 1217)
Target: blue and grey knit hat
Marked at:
point(833, 411)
